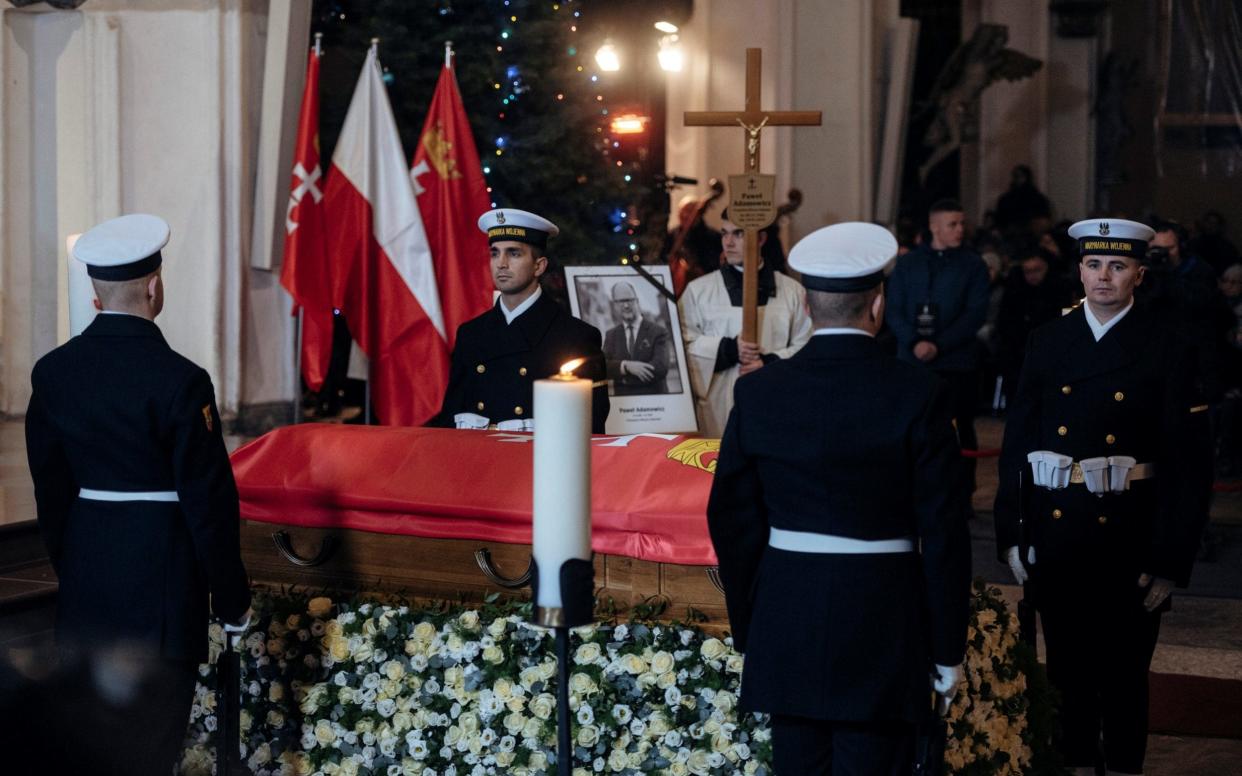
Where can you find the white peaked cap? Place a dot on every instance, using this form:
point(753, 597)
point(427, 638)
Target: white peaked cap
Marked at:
point(123, 248)
point(517, 225)
point(844, 258)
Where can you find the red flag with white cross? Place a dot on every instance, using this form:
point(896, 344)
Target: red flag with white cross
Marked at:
point(307, 274)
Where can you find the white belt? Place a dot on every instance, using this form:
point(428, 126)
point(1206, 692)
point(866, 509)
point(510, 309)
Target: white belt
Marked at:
point(826, 544)
point(131, 495)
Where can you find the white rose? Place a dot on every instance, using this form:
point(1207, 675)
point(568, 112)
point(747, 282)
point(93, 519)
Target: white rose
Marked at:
point(498, 627)
point(588, 735)
point(494, 655)
point(713, 649)
point(582, 684)
point(324, 733)
point(424, 631)
point(588, 653)
point(469, 620)
point(698, 763)
point(662, 662)
point(543, 705)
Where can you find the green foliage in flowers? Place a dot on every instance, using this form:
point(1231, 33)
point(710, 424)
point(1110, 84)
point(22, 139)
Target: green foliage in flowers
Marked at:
point(364, 687)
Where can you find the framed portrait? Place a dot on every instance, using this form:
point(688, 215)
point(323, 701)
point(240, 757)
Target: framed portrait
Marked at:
point(648, 384)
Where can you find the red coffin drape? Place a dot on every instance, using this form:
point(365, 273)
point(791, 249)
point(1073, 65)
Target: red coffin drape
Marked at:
point(648, 494)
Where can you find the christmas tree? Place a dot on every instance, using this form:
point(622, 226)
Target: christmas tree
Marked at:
point(535, 101)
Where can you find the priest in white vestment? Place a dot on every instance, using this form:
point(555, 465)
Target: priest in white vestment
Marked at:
point(711, 322)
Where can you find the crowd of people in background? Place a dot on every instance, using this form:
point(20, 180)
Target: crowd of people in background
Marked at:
point(1193, 281)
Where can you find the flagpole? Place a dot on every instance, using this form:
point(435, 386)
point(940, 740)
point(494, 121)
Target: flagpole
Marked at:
point(448, 54)
point(297, 366)
point(318, 44)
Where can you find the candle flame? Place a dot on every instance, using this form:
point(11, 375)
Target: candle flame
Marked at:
point(567, 369)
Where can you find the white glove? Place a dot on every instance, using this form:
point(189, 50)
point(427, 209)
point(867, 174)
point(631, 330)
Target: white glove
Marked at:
point(945, 680)
point(1160, 590)
point(234, 631)
point(1013, 556)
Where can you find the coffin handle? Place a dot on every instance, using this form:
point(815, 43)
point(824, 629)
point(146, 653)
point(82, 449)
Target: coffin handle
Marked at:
point(713, 573)
point(483, 557)
point(327, 548)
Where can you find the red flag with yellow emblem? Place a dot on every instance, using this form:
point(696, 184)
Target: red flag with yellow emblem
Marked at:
point(452, 194)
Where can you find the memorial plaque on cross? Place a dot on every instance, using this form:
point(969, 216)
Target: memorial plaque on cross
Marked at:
point(751, 202)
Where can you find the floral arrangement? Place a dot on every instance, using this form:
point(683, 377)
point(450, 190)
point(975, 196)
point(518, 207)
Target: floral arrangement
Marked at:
point(989, 721)
point(373, 688)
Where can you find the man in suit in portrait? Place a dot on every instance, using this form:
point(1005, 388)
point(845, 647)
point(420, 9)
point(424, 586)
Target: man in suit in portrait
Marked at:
point(636, 349)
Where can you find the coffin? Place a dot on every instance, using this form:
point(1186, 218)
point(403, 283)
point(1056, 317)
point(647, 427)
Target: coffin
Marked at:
point(446, 514)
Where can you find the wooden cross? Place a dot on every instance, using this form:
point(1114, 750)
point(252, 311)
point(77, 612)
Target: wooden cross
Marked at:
point(752, 120)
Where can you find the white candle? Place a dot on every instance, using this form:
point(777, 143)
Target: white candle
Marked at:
point(562, 485)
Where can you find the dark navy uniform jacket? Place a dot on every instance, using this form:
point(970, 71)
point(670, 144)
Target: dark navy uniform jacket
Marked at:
point(495, 363)
point(1132, 393)
point(117, 409)
point(846, 440)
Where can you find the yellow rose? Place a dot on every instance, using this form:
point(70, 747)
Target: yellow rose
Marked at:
point(634, 664)
point(318, 607)
point(333, 628)
point(302, 764)
point(665, 681)
point(725, 701)
point(678, 769)
point(244, 719)
point(394, 670)
point(618, 760)
point(402, 721)
point(734, 663)
point(505, 759)
point(275, 719)
point(721, 743)
point(713, 649)
point(349, 768)
point(276, 692)
point(337, 646)
point(345, 696)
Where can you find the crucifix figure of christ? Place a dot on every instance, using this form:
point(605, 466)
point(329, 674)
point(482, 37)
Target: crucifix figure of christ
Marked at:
point(759, 209)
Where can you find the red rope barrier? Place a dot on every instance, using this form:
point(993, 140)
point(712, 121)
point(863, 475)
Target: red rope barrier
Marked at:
point(990, 452)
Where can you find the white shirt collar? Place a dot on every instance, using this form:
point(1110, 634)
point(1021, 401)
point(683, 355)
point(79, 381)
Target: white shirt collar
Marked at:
point(1100, 329)
point(523, 307)
point(841, 330)
point(118, 312)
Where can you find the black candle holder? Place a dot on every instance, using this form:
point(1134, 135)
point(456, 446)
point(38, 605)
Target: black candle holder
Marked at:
point(577, 608)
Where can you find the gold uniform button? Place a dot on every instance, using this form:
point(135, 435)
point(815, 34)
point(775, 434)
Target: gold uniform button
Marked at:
point(480, 369)
point(480, 406)
point(1119, 396)
point(1065, 389)
point(1102, 520)
point(1056, 514)
point(1110, 439)
point(1062, 431)
point(517, 410)
point(522, 371)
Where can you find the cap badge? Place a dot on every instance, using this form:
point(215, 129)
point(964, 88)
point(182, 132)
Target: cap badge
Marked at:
point(1104, 228)
point(500, 217)
point(207, 416)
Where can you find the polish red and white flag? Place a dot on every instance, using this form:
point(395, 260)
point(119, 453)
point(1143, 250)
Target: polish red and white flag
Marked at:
point(385, 283)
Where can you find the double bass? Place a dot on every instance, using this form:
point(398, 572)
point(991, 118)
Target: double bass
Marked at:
point(682, 265)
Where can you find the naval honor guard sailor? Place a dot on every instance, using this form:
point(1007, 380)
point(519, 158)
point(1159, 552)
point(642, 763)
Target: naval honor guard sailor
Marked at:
point(844, 558)
point(1105, 474)
point(526, 336)
point(138, 509)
